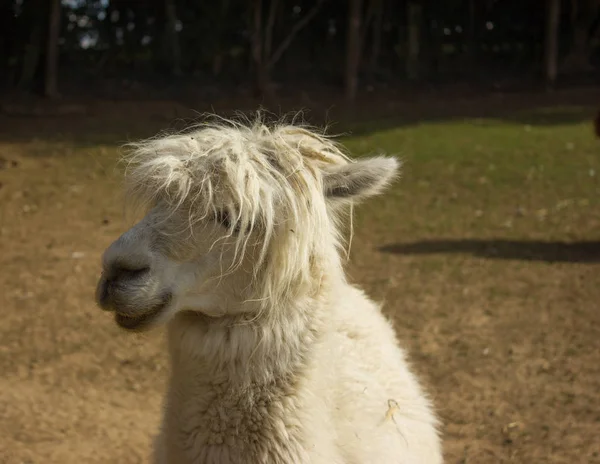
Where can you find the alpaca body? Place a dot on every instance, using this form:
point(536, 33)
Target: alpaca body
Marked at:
point(346, 397)
point(274, 357)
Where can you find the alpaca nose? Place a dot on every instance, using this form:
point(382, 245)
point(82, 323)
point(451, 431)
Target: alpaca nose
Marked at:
point(118, 279)
point(128, 258)
point(126, 268)
point(123, 268)
point(126, 271)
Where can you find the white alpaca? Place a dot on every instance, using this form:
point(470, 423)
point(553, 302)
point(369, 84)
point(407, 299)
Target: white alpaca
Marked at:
point(275, 358)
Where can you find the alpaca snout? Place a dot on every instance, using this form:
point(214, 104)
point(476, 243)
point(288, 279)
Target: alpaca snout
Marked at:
point(134, 297)
point(102, 297)
point(129, 258)
point(128, 273)
point(123, 290)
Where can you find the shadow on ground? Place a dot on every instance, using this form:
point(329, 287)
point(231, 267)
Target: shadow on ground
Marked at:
point(522, 250)
point(90, 123)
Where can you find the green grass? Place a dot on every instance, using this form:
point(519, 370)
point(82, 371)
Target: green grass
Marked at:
point(468, 177)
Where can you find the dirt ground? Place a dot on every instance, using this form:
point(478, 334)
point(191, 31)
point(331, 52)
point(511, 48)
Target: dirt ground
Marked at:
point(504, 334)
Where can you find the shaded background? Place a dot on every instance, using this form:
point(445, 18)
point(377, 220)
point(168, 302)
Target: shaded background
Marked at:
point(274, 48)
point(485, 255)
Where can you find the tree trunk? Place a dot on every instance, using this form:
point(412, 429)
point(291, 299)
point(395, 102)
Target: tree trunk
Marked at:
point(583, 15)
point(33, 49)
point(413, 61)
point(262, 43)
point(353, 49)
point(268, 42)
point(261, 73)
point(219, 52)
point(551, 45)
point(172, 37)
point(52, 51)
point(473, 34)
point(217, 64)
point(376, 37)
point(578, 58)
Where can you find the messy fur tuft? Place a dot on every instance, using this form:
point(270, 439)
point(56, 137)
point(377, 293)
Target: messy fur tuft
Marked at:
point(266, 178)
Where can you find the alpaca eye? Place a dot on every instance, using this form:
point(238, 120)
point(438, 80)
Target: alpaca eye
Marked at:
point(223, 218)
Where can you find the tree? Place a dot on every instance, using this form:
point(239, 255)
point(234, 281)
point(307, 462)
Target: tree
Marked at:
point(33, 18)
point(378, 7)
point(359, 23)
point(218, 36)
point(263, 56)
point(551, 41)
point(353, 46)
point(583, 15)
point(171, 37)
point(415, 20)
point(52, 51)
point(473, 31)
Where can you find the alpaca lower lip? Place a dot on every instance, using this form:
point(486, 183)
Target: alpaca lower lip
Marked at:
point(138, 322)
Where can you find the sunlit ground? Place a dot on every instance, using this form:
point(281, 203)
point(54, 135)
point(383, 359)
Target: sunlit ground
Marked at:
point(486, 254)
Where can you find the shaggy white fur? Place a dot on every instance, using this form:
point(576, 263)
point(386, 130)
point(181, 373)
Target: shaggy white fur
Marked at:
point(275, 358)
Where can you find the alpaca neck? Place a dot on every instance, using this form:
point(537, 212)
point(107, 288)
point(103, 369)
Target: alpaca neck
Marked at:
point(243, 352)
point(245, 349)
point(234, 384)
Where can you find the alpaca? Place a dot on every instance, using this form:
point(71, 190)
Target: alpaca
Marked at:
point(275, 357)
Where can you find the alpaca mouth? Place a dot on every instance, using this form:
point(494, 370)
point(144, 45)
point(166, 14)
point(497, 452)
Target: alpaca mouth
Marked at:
point(142, 321)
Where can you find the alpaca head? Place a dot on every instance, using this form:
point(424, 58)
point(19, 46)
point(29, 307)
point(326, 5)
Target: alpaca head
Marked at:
point(239, 219)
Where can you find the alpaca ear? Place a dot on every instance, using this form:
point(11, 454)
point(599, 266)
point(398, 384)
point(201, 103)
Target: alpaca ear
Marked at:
point(359, 180)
